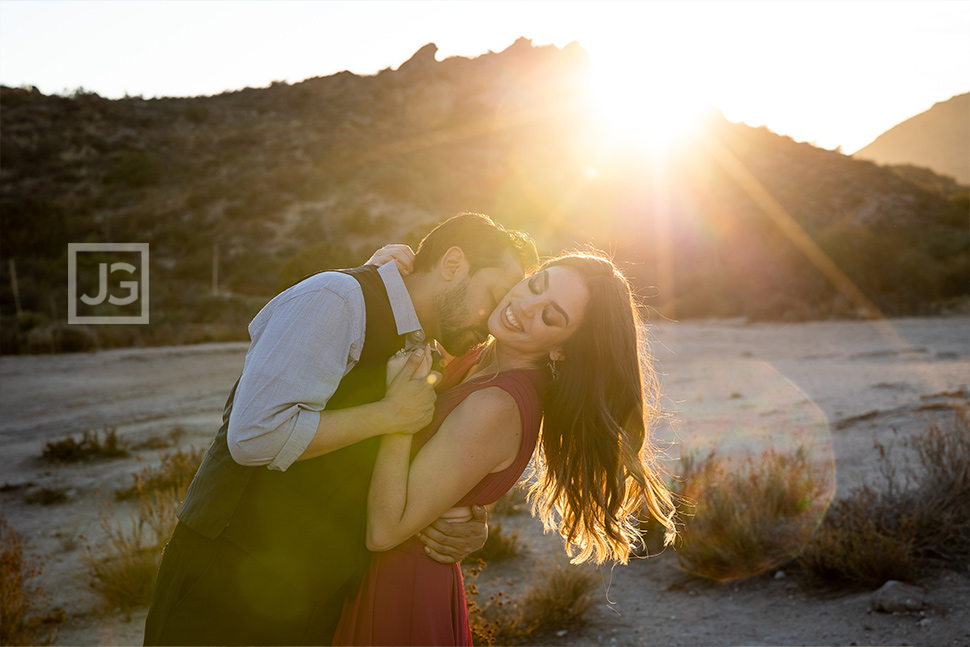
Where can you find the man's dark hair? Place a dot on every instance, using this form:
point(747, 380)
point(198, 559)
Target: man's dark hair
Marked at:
point(484, 242)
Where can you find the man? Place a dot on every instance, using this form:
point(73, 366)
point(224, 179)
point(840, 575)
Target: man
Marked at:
point(270, 538)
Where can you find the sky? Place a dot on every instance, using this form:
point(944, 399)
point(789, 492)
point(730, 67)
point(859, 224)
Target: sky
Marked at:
point(836, 74)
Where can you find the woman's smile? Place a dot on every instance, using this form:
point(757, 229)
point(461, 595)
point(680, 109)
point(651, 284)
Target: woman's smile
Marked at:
point(511, 319)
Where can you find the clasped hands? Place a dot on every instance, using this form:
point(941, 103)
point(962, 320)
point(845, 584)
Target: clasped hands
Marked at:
point(410, 387)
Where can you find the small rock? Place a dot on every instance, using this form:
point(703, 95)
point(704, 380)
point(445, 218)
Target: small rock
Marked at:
point(896, 597)
point(780, 575)
point(561, 633)
point(923, 622)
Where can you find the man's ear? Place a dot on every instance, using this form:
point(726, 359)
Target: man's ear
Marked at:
point(452, 264)
point(557, 355)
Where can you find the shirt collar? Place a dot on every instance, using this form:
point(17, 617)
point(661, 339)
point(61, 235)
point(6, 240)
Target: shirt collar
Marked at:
point(404, 315)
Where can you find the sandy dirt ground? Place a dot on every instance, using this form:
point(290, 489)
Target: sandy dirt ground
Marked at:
point(835, 387)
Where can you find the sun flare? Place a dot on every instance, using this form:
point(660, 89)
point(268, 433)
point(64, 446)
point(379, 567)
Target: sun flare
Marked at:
point(653, 111)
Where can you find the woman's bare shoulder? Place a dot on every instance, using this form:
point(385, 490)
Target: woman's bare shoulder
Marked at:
point(489, 408)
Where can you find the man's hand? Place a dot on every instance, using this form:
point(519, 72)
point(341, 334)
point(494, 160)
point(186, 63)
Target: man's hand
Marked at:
point(399, 253)
point(448, 542)
point(410, 393)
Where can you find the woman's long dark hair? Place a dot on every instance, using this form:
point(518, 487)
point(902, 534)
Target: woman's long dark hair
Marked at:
point(597, 468)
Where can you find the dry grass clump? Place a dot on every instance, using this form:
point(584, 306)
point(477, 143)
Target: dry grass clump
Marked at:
point(122, 569)
point(19, 624)
point(750, 515)
point(500, 545)
point(558, 598)
point(173, 475)
point(918, 520)
point(172, 438)
point(47, 496)
point(90, 447)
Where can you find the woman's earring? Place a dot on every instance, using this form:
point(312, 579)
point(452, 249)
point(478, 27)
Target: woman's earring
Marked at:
point(555, 370)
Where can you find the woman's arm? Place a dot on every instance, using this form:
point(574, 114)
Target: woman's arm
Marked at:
point(481, 435)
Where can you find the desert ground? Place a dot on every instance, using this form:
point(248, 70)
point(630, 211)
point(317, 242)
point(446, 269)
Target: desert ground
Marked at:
point(835, 387)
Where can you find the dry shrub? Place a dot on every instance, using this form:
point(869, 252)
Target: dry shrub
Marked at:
point(901, 530)
point(850, 548)
point(19, 625)
point(499, 545)
point(483, 630)
point(173, 475)
point(123, 568)
point(751, 515)
point(90, 447)
point(47, 496)
point(172, 438)
point(559, 597)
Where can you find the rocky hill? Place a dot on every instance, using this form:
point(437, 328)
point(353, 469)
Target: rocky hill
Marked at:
point(938, 139)
point(265, 185)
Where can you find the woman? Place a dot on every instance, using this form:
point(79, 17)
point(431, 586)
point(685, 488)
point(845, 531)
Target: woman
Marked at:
point(566, 343)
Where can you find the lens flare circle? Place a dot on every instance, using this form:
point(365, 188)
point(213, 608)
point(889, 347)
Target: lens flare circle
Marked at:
point(757, 463)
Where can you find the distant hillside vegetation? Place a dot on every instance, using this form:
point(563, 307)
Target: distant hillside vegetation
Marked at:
point(937, 139)
point(240, 194)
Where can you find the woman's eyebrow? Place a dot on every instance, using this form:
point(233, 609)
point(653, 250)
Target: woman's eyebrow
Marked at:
point(545, 274)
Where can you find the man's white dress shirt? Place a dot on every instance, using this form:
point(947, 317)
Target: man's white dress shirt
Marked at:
point(304, 342)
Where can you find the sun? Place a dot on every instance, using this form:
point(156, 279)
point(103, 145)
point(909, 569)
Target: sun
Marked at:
point(655, 110)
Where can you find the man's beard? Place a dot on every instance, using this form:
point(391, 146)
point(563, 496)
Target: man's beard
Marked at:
point(453, 317)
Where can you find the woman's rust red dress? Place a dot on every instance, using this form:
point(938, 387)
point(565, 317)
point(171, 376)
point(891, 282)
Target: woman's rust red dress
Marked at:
point(406, 598)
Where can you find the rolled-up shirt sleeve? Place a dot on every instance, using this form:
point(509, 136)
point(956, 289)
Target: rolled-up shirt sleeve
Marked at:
point(303, 343)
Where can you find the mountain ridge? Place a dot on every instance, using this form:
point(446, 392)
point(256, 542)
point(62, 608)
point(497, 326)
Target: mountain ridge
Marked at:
point(938, 139)
point(266, 185)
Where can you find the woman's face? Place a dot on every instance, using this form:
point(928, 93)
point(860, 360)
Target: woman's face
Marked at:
point(541, 312)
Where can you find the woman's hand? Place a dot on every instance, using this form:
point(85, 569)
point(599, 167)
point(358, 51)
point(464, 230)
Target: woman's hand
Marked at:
point(395, 365)
point(399, 360)
point(397, 252)
point(410, 390)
